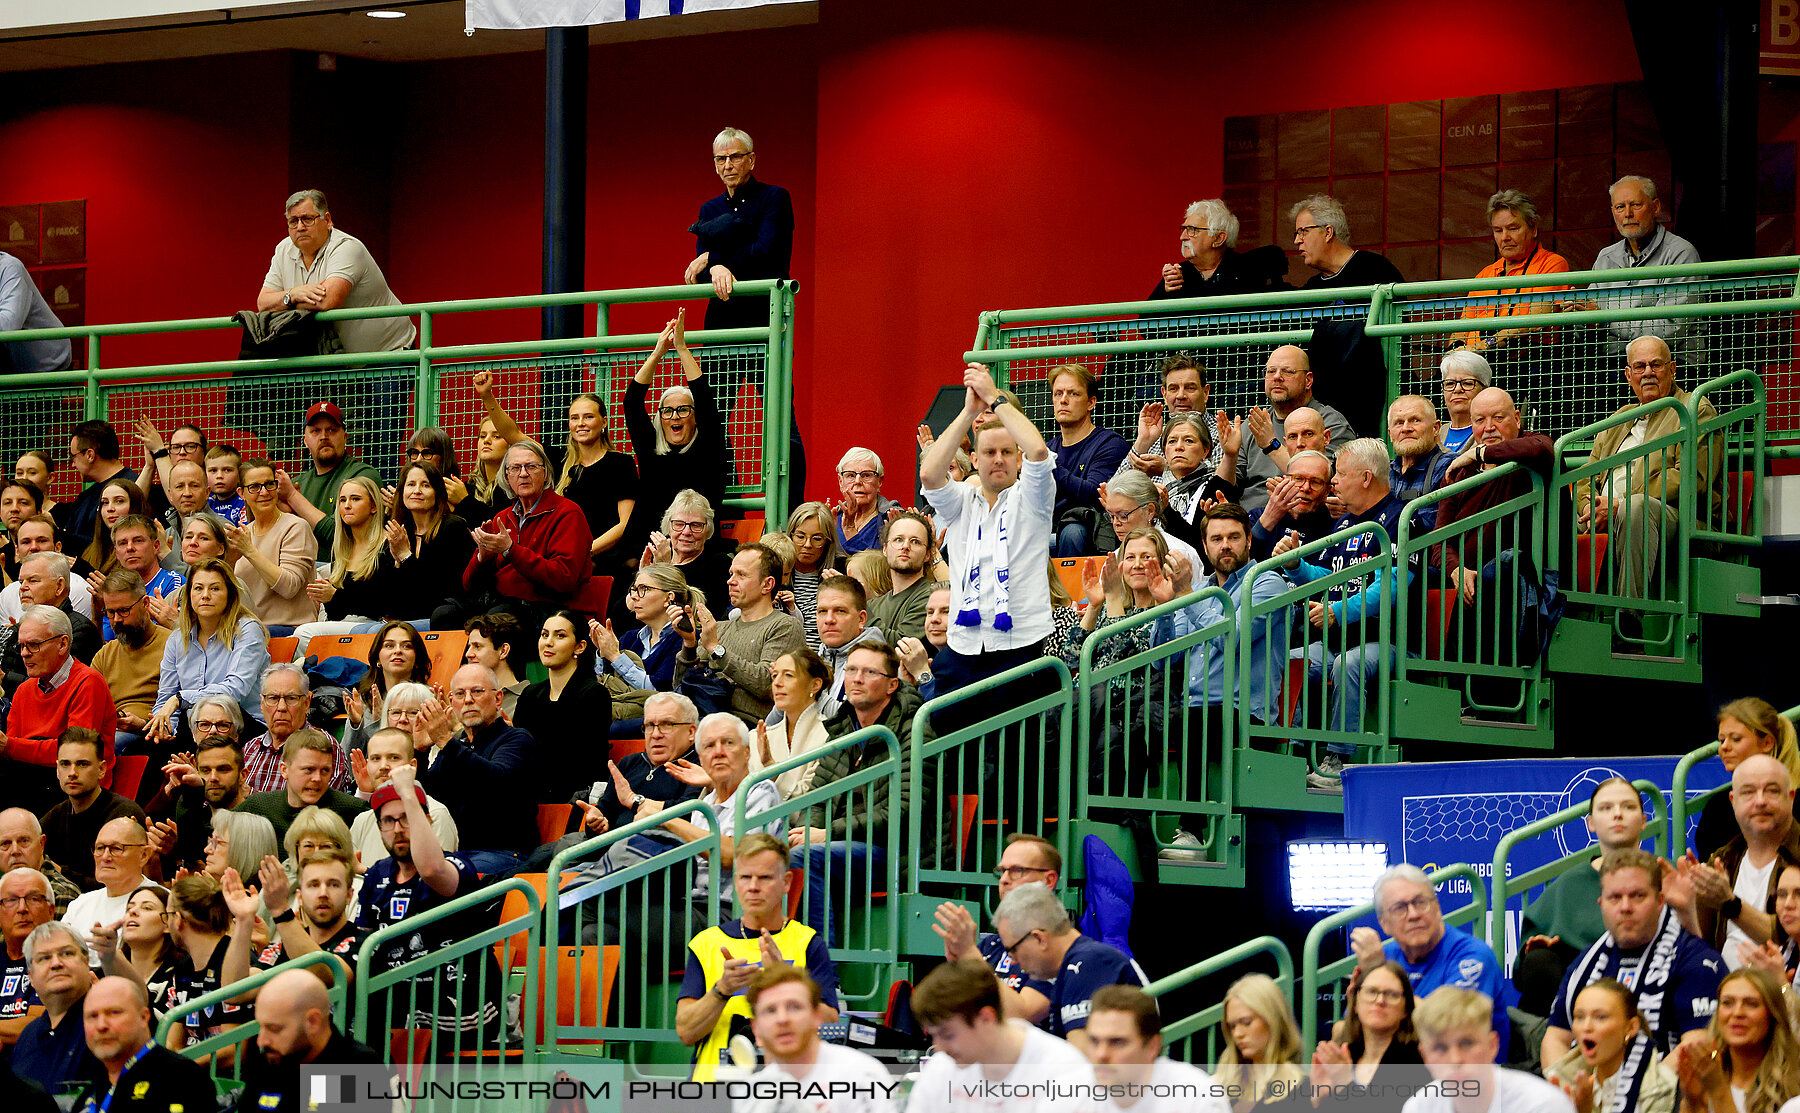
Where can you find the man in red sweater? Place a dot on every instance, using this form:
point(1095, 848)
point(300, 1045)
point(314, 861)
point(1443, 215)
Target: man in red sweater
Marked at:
point(59, 692)
point(536, 550)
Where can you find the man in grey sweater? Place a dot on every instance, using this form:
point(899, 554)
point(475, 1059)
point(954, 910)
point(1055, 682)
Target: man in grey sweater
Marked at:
point(740, 650)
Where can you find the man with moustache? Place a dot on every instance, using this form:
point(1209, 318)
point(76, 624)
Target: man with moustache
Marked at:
point(293, 1015)
point(1419, 462)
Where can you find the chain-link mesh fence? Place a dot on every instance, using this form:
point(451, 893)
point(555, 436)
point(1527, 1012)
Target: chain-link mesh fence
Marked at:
point(43, 419)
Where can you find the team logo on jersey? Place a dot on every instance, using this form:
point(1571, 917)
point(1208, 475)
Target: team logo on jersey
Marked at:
point(10, 986)
point(1470, 969)
point(397, 907)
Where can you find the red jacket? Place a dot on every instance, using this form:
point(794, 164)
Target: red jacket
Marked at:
point(37, 718)
point(549, 560)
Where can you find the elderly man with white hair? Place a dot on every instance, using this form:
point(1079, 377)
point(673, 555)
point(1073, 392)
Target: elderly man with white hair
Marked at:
point(63, 693)
point(1354, 652)
point(44, 580)
point(533, 556)
point(1434, 953)
point(1208, 267)
point(490, 775)
point(1322, 237)
point(859, 517)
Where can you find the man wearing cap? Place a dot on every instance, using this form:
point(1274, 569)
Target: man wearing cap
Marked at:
point(312, 494)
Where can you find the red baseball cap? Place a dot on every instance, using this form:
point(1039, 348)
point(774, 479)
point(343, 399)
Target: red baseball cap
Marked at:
point(325, 409)
point(388, 794)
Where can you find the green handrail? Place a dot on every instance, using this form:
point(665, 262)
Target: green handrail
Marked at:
point(368, 982)
point(1504, 886)
point(1680, 805)
point(1474, 913)
point(848, 790)
point(338, 993)
point(1722, 423)
point(1187, 1027)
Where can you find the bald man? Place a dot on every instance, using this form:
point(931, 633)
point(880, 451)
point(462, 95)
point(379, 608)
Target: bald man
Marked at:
point(294, 1012)
point(1737, 883)
point(1497, 440)
point(1288, 386)
point(22, 842)
point(139, 1074)
point(1635, 501)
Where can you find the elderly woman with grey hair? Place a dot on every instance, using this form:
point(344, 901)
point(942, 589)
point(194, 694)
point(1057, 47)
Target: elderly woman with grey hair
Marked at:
point(682, 445)
point(533, 556)
point(857, 520)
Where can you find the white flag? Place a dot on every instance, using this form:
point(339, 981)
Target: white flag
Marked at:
point(515, 14)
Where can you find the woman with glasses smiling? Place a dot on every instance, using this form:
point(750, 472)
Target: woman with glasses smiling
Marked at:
point(275, 554)
point(1370, 1047)
point(684, 447)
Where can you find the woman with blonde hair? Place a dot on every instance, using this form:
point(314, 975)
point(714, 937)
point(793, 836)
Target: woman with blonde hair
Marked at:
point(218, 649)
point(1749, 1061)
point(1747, 726)
point(870, 569)
point(1262, 1045)
point(356, 590)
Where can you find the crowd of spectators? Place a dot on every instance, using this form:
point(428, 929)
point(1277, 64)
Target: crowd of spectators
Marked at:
point(298, 806)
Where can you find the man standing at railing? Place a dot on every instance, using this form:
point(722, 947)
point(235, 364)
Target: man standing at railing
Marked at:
point(1434, 954)
point(23, 307)
point(1636, 501)
point(1322, 238)
point(319, 267)
point(998, 538)
point(1086, 455)
point(1353, 652)
point(1643, 242)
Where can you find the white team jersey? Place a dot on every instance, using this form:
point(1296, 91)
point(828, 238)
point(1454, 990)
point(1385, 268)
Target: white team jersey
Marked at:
point(1175, 1087)
point(1039, 1081)
point(842, 1080)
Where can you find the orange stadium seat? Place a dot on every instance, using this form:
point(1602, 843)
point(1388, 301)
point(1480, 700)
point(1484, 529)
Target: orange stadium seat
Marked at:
point(1070, 569)
point(354, 646)
point(281, 650)
point(128, 774)
point(1440, 608)
point(1590, 558)
point(553, 821)
point(743, 532)
point(445, 647)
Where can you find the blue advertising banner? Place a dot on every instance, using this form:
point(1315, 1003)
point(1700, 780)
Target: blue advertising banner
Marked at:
point(1434, 814)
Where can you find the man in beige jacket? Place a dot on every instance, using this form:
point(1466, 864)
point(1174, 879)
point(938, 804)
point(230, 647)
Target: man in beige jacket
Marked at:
point(1636, 501)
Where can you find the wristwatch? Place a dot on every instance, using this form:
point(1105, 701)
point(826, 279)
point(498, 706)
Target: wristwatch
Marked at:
point(1732, 908)
point(282, 917)
point(1272, 445)
point(159, 454)
point(717, 654)
point(287, 301)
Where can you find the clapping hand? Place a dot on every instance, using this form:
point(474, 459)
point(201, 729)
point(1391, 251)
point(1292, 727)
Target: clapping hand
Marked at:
point(605, 642)
point(593, 820)
point(688, 773)
point(359, 771)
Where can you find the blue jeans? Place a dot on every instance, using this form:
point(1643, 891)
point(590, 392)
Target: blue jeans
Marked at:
point(1351, 672)
point(1071, 541)
point(494, 865)
point(826, 868)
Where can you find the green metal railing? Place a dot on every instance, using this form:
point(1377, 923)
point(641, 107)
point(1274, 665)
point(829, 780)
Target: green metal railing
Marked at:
point(1683, 769)
point(862, 901)
point(1184, 1035)
point(1461, 625)
point(1738, 436)
point(240, 1040)
point(257, 404)
point(1502, 885)
point(1312, 975)
point(634, 923)
point(436, 1007)
point(1312, 653)
point(1565, 366)
point(990, 771)
point(1134, 728)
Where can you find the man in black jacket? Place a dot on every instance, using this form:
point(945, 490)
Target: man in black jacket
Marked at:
point(490, 776)
point(139, 1074)
point(294, 1013)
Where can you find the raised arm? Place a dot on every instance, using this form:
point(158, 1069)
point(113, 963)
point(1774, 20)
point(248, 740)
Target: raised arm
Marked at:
point(934, 469)
point(504, 425)
point(1031, 442)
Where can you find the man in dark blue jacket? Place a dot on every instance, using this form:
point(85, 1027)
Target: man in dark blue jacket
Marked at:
point(490, 776)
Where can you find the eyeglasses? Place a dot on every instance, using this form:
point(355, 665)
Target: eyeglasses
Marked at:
point(389, 822)
point(1382, 996)
point(721, 160)
point(13, 904)
point(1194, 229)
point(1017, 872)
point(1013, 947)
point(216, 841)
point(865, 476)
point(1644, 367)
point(1118, 518)
point(858, 670)
point(1303, 229)
point(641, 589)
point(469, 693)
point(184, 447)
point(1402, 907)
point(66, 954)
point(284, 699)
point(522, 469)
point(117, 613)
point(304, 221)
point(265, 485)
point(1460, 386)
point(33, 647)
point(687, 527)
point(212, 726)
point(111, 849)
point(664, 728)
point(420, 453)
point(676, 411)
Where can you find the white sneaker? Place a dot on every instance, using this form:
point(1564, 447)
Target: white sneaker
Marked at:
point(1184, 847)
point(1329, 777)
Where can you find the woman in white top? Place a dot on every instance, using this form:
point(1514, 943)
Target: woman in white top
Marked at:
point(795, 681)
point(275, 554)
point(1749, 1061)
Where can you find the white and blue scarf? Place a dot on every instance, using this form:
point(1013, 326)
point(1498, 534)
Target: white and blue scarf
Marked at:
point(968, 610)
